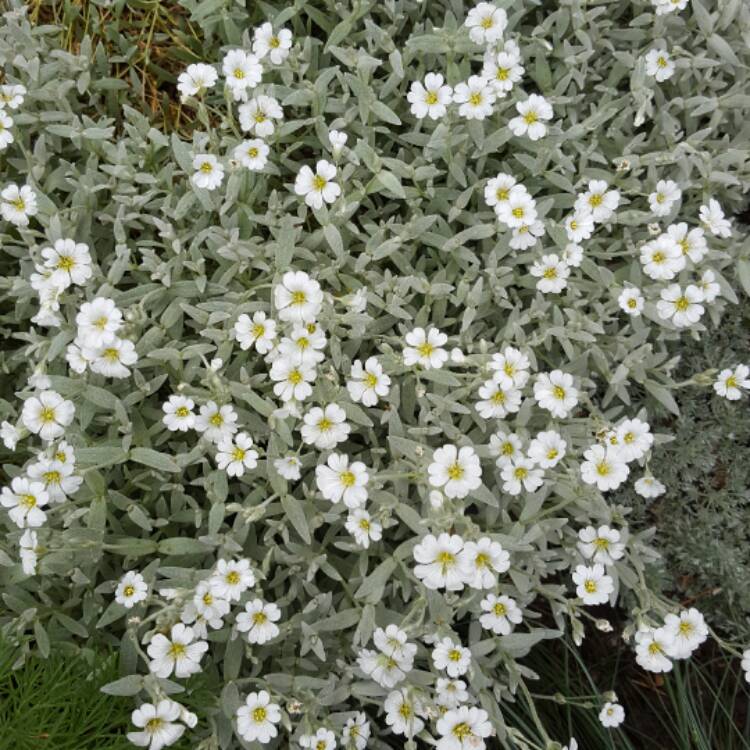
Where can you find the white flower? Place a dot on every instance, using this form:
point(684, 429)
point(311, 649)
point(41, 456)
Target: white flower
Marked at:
point(501, 614)
point(25, 500)
point(603, 467)
point(402, 713)
point(208, 605)
point(532, 115)
point(667, 193)
point(552, 274)
point(318, 187)
point(259, 330)
point(631, 301)
point(683, 308)
point(506, 447)
point(234, 454)
point(257, 116)
point(394, 642)
point(497, 190)
point(649, 487)
point(382, 668)
point(579, 226)
point(292, 379)
point(712, 218)
point(481, 561)
point(112, 359)
point(242, 71)
point(298, 298)
point(554, 392)
point(462, 728)
point(498, 400)
point(288, 467)
point(475, 97)
point(257, 718)
point(451, 656)
point(663, 7)
point(18, 204)
point(208, 171)
point(180, 652)
point(430, 99)
point(547, 449)
point(439, 563)
point(708, 286)
point(304, 345)
point(356, 732)
point(325, 428)
point(573, 255)
point(425, 348)
point(612, 715)
point(216, 422)
point(232, 578)
point(519, 475)
point(6, 123)
point(196, 79)
point(69, 261)
point(685, 632)
point(518, 209)
point(692, 242)
point(157, 725)
point(252, 154)
point(29, 544)
point(634, 439)
point(56, 476)
point(651, 649)
point(178, 413)
point(601, 545)
point(662, 258)
point(367, 383)
point(47, 415)
point(258, 621)
point(503, 69)
point(731, 382)
point(323, 739)
point(98, 321)
point(450, 693)
point(456, 471)
point(526, 235)
point(12, 95)
point(745, 664)
point(598, 200)
point(510, 367)
point(338, 140)
point(274, 44)
point(659, 64)
point(10, 435)
point(364, 528)
point(131, 589)
point(592, 585)
point(339, 480)
point(486, 23)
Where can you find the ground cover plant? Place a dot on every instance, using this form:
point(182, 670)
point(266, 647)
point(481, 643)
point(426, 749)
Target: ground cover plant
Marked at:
point(338, 339)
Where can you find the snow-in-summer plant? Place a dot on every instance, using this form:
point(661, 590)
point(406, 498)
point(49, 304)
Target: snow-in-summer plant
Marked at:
point(323, 402)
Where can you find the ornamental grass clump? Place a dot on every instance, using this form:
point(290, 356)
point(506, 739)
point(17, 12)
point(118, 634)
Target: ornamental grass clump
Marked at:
point(325, 402)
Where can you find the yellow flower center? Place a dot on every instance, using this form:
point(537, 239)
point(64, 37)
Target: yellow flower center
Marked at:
point(239, 74)
point(501, 194)
point(299, 298)
point(60, 456)
point(658, 257)
point(295, 377)
point(589, 586)
point(52, 477)
point(47, 414)
point(499, 609)
point(182, 411)
point(686, 628)
point(371, 380)
point(486, 22)
point(462, 731)
point(454, 655)
point(101, 323)
point(550, 273)
point(28, 501)
point(552, 454)
point(129, 590)
point(632, 303)
point(232, 578)
point(364, 524)
point(347, 478)
point(520, 472)
point(238, 454)
point(654, 648)
point(661, 61)
point(177, 650)
point(18, 204)
point(274, 42)
point(595, 200)
point(431, 98)
point(601, 543)
point(325, 424)
point(508, 449)
point(455, 471)
point(446, 560)
point(475, 99)
point(404, 710)
point(603, 469)
point(259, 715)
point(260, 116)
point(259, 618)
point(530, 118)
point(252, 152)
point(154, 725)
point(518, 212)
point(502, 74)
point(628, 438)
point(731, 382)
point(425, 350)
point(685, 245)
point(111, 354)
point(558, 392)
point(65, 263)
point(498, 397)
point(258, 330)
point(482, 560)
point(216, 419)
point(573, 224)
point(208, 600)
point(682, 304)
point(319, 182)
point(206, 167)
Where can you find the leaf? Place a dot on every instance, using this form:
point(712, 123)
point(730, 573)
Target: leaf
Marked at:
point(390, 183)
point(663, 396)
point(182, 546)
point(125, 686)
point(372, 587)
point(296, 515)
point(154, 459)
